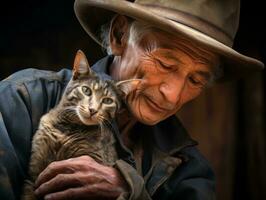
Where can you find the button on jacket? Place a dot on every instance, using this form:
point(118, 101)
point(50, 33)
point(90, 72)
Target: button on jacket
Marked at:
point(171, 166)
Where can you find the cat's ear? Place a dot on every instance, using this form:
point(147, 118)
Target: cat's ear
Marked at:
point(81, 66)
point(127, 86)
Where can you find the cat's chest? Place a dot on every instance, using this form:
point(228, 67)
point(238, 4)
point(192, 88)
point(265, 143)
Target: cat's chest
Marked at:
point(93, 143)
point(83, 139)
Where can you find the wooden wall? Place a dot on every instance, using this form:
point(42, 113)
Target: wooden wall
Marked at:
point(211, 120)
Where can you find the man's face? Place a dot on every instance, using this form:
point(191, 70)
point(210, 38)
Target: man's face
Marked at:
point(170, 77)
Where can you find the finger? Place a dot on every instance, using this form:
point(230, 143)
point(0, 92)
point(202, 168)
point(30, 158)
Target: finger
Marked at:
point(63, 195)
point(58, 183)
point(72, 193)
point(55, 168)
point(78, 193)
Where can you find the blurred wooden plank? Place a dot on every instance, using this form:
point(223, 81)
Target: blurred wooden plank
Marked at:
point(211, 120)
point(253, 132)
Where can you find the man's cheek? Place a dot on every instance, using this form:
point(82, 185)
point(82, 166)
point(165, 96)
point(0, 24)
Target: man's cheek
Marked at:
point(137, 106)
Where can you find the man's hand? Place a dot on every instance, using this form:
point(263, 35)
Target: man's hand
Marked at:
point(80, 178)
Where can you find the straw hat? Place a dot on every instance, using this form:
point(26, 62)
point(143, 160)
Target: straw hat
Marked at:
point(211, 24)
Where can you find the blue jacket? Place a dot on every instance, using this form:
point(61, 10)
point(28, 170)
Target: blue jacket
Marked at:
point(171, 168)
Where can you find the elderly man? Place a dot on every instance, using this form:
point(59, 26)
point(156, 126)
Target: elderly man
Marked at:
point(176, 48)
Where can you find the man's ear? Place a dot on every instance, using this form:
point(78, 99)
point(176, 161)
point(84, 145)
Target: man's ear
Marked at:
point(81, 66)
point(118, 34)
point(127, 86)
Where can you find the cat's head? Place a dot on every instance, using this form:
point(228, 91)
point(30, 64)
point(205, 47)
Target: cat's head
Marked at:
point(92, 99)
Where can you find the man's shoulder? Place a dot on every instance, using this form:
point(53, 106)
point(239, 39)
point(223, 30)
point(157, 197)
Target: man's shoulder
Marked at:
point(32, 92)
point(26, 95)
point(33, 74)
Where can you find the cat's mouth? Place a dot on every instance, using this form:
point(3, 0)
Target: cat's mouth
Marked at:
point(86, 117)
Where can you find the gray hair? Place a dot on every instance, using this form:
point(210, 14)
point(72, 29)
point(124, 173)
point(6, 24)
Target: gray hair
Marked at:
point(138, 29)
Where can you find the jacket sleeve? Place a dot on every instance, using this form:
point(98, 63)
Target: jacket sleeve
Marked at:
point(24, 97)
point(193, 180)
point(135, 182)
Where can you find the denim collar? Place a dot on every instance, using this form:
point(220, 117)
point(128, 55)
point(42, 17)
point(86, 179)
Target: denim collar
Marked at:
point(102, 67)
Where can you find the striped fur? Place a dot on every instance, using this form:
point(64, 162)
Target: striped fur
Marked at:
point(78, 125)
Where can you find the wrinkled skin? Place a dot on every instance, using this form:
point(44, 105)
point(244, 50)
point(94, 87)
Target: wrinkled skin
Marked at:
point(170, 78)
point(79, 178)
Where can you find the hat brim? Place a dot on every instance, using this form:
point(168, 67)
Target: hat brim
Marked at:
point(92, 14)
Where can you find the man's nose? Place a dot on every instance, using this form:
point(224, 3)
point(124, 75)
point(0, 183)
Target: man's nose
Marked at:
point(172, 89)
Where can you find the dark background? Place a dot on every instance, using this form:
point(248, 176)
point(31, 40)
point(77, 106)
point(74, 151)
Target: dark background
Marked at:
point(228, 120)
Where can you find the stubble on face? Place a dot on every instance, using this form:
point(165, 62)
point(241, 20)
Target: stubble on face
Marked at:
point(146, 103)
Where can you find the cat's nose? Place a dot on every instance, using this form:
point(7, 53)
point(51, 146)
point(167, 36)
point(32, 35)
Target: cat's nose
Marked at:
point(92, 111)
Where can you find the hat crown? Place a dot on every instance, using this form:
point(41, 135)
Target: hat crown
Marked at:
point(216, 18)
point(211, 24)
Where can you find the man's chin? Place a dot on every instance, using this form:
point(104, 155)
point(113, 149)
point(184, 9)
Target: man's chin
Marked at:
point(148, 120)
point(146, 117)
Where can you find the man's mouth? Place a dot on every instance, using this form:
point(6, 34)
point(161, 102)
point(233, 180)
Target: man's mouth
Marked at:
point(155, 106)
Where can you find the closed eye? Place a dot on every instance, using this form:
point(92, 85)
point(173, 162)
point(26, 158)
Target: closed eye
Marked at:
point(196, 82)
point(164, 65)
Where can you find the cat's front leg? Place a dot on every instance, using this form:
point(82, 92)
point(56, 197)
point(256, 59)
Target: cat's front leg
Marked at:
point(42, 155)
point(28, 191)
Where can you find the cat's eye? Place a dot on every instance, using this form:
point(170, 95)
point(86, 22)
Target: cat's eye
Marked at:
point(86, 90)
point(107, 100)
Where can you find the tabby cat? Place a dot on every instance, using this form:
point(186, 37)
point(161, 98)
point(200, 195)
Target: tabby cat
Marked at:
point(79, 124)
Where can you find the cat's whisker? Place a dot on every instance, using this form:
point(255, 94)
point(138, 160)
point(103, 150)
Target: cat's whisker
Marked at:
point(107, 123)
point(74, 127)
point(104, 123)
